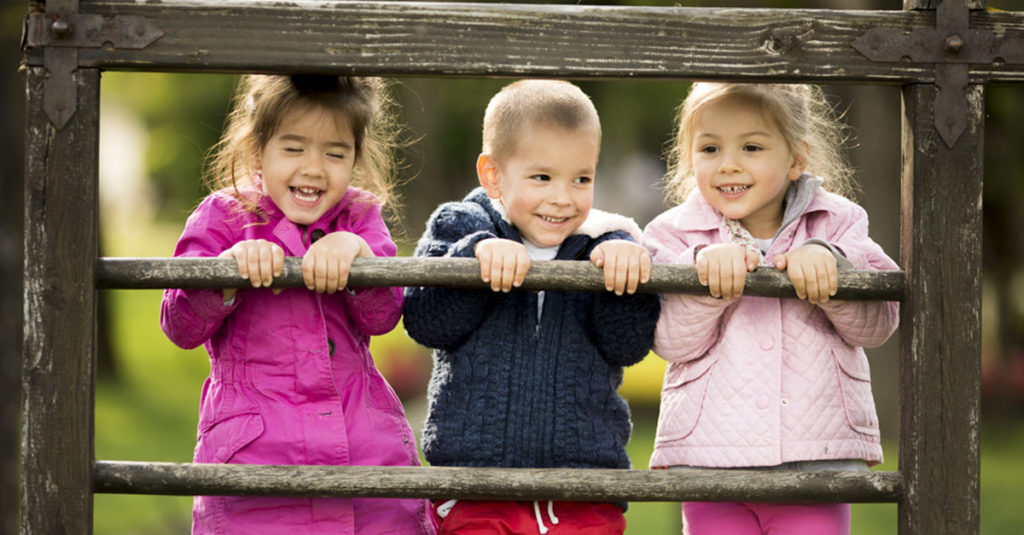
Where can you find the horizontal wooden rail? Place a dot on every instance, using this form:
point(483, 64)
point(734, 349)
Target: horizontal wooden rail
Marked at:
point(496, 483)
point(480, 39)
point(150, 273)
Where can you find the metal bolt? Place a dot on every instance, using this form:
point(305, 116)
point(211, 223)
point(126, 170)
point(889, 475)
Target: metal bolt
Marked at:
point(954, 43)
point(60, 29)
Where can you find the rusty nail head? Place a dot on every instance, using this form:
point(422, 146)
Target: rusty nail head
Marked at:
point(60, 29)
point(954, 43)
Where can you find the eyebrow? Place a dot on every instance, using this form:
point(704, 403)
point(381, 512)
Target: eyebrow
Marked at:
point(303, 139)
point(545, 170)
point(745, 134)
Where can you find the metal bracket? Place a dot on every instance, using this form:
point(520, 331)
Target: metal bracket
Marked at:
point(61, 32)
point(952, 46)
point(83, 30)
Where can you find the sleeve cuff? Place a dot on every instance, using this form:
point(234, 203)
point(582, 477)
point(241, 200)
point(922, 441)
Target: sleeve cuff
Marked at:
point(210, 305)
point(464, 248)
point(841, 261)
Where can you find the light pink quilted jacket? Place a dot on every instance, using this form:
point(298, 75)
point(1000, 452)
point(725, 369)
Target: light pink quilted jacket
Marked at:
point(761, 381)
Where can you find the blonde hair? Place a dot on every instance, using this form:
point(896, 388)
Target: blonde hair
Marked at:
point(534, 101)
point(262, 101)
point(802, 114)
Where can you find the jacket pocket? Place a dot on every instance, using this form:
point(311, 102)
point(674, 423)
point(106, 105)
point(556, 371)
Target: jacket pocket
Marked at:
point(682, 397)
point(854, 378)
point(222, 438)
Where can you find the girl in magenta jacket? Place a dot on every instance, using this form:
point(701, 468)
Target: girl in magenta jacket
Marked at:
point(765, 382)
point(291, 379)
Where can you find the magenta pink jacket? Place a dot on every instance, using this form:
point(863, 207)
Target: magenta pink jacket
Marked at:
point(291, 377)
point(761, 381)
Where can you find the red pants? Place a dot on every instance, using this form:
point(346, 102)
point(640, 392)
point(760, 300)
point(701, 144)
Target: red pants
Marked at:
point(470, 517)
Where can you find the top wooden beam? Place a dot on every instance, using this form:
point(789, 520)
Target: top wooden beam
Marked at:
point(515, 40)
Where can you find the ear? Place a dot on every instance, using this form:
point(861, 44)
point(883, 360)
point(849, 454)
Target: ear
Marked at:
point(488, 173)
point(800, 158)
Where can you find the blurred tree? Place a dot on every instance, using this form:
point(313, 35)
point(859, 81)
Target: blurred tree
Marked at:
point(182, 115)
point(1003, 246)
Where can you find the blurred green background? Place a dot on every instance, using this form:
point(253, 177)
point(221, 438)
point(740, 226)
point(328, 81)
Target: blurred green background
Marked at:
point(155, 129)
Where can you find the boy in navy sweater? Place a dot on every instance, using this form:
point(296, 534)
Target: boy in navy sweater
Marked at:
point(528, 379)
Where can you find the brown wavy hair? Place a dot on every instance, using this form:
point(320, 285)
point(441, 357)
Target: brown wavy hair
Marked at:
point(261, 102)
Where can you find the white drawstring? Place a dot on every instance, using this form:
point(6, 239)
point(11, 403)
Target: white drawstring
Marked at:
point(551, 514)
point(445, 508)
point(540, 523)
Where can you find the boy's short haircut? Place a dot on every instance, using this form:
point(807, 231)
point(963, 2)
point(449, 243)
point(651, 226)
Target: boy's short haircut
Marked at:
point(554, 102)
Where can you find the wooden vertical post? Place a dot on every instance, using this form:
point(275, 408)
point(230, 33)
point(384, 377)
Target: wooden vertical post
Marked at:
point(61, 168)
point(941, 318)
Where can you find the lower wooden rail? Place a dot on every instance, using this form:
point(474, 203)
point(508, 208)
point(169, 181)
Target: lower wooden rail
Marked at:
point(604, 485)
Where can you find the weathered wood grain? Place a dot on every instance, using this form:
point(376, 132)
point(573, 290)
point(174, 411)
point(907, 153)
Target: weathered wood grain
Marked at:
point(465, 273)
point(940, 368)
point(479, 39)
point(495, 483)
point(61, 234)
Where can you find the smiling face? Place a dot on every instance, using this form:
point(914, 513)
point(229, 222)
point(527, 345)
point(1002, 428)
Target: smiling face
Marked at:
point(546, 183)
point(743, 164)
point(307, 164)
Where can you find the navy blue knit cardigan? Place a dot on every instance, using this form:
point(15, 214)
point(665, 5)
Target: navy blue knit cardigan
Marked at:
point(507, 390)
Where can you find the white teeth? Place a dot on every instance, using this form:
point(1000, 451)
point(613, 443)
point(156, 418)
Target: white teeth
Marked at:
point(554, 220)
point(306, 194)
point(733, 189)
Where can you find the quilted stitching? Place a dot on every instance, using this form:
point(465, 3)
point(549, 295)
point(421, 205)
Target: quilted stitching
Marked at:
point(787, 381)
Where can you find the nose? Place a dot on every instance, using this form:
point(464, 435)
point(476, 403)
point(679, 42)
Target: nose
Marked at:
point(559, 194)
point(312, 165)
point(730, 163)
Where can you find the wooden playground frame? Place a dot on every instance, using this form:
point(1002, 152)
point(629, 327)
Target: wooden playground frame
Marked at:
point(942, 53)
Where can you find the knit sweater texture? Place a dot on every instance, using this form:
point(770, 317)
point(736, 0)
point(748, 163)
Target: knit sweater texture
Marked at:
point(508, 390)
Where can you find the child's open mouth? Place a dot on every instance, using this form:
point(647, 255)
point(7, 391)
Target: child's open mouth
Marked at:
point(733, 189)
point(306, 195)
point(554, 220)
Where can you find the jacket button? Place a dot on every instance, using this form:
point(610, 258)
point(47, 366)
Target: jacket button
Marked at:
point(330, 346)
point(767, 343)
point(316, 235)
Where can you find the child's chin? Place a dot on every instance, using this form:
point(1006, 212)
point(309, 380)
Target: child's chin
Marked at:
point(301, 219)
point(549, 240)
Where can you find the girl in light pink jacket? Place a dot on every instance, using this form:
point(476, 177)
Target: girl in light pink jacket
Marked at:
point(754, 381)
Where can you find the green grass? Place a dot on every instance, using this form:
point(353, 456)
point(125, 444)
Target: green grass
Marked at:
point(150, 415)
